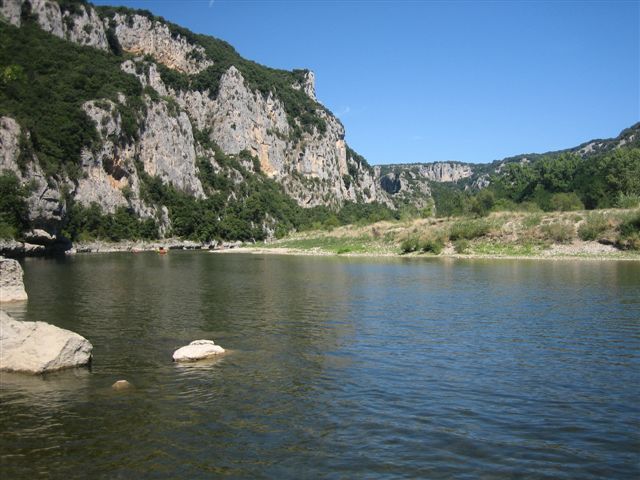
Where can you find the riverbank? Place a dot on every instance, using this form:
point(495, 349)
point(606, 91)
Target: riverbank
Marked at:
point(599, 235)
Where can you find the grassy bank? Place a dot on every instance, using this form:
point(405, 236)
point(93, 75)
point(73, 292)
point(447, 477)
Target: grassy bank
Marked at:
point(612, 233)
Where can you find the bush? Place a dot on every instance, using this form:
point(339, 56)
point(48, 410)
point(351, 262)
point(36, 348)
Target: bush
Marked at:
point(532, 220)
point(469, 229)
point(627, 200)
point(560, 232)
point(629, 236)
point(461, 246)
point(565, 202)
point(410, 244)
point(432, 244)
point(594, 225)
point(14, 215)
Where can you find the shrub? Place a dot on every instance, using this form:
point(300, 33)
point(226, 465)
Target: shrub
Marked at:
point(629, 236)
point(431, 243)
point(594, 225)
point(14, 215)
point(560, 232)
point(461, 246)
point(409, 244)
point(531, 221)
point(565, 202)
point(627, 200)
point(469, 229)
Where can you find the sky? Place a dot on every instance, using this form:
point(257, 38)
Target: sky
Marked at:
point(423, 81)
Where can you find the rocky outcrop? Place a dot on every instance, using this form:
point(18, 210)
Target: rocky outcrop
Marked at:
point(308, 85)
point(38, 347)
point(167, 148)
point(77, 23)
point(139, 34)
point(11, 281)
point(45, 201)
point(197, 350)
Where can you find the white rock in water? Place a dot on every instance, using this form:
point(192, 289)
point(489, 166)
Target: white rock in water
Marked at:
point(11, 285)
point(121, 385)
point(197, 350)
point(38, 347)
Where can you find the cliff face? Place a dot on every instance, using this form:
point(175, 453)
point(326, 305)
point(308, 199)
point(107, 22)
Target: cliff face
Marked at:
point(80, 24)
point(311, 163)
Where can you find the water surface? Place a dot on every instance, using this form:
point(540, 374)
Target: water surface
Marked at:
point(339, 368)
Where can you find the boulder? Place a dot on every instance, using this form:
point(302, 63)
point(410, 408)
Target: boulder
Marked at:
point(40, 237)
point(11, 285)
point(38, 347)
point(197, 350)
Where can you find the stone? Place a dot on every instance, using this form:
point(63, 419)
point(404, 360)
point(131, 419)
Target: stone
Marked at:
point(40, 237)
point(197, 350)
point(121, 385)
point(11, 284)
point(38, 347)
point(138, 34)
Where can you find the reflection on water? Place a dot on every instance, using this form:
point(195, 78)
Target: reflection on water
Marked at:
point(338, 368)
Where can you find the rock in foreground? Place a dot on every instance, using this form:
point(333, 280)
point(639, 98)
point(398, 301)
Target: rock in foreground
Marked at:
point(11, 285)
point(37, 347)
point(197, 350)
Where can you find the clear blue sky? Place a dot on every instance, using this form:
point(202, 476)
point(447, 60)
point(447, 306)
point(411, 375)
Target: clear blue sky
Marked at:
point(416, 81)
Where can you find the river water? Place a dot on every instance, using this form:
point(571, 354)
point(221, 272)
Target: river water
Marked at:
point(338, 368)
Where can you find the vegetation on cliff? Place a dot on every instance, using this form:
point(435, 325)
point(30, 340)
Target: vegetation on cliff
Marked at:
point(554, 182)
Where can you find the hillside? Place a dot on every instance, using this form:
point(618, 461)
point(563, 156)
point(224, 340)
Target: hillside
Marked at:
point(597, 172)
point(114, 119)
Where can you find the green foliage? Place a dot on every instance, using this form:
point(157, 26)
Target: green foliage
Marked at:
point(627, 200)
point(594, 225)
point(601, 180)
point(461, 246)
point(14, 218)
point(432, 244)
point(89, 223)
point(54, 79)
point(629, 229)
point(410, 244)
point(560, 232)
point(531, 221)
point(482, 203)
point(469, 229)
point(565, 202)
point(450, 201)
point(566, 182)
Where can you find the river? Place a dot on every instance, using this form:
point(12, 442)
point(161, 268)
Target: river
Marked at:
point(337, 368)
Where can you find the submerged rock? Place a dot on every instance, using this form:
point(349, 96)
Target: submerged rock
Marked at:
point(197, 350)
point(11, 285)
point(121, 385)
point(38, 347)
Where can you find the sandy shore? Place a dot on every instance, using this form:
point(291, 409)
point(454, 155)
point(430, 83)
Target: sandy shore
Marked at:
point(576, 251)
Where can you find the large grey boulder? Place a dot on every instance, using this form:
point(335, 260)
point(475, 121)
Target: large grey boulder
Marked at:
point(11, 285)
point(38, 347)
point(197, 350)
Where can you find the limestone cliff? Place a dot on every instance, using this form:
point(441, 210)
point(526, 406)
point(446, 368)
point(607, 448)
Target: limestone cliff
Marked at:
point(77, 23)
point(302, 148)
